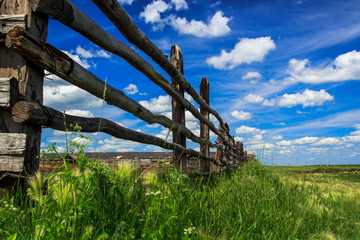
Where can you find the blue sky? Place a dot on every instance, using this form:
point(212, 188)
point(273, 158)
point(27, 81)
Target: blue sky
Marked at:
point(283, 74)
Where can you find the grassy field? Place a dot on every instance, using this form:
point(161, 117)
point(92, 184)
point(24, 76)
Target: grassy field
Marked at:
point(254, 202)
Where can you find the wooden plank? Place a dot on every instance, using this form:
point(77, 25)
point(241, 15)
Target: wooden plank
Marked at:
point(178, 111)
point(8, 22)
point(8, 92)
point(29, 77)
point(34, 113)
point(54, 60)
point(204, 129)
point(12, 151)
point(71, 16)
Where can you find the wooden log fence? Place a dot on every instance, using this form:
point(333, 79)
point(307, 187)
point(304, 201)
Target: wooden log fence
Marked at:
point(25, 111)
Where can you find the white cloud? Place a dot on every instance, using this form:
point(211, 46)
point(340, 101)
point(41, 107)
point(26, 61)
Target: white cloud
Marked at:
point(180, 4)
point(245, 51)
point(83, 53)
point(327, 141)
point(253, 76)
point(117, 145)
point(308, 98)
point(318, 150)
point(254, 99)
point(284, 143)
point(239, 139)
point(279, 137)
point(261, 146)
point(357, 126)
point(257, 137)
point(216, 27)
point(280, 124)
point(69, 96)
point(152, 11)
point(306, 140)
point(241, 115)
point(355, 133)
point(166, 135)
point(354, 139)
point(345, 67)
point(248, 130)
point(80, 113)
point(300, 141)
point(160, 104)
point(77, 59)
point(131, 89)
point(128, 2)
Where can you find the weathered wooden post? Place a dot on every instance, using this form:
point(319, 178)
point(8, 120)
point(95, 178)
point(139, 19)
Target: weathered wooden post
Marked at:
point(219, 155)
point(204, 129)
point(178, 112)
point(20, 152)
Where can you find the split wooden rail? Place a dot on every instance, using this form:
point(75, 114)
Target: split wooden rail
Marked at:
point(23, 48)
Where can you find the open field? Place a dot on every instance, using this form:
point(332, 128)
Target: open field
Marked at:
point(254, 202)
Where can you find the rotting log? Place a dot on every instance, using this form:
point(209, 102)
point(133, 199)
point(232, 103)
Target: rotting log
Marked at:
point(71, 16)
point(124, 23)
point(29, 77)
point(12, 152)
point(204, 129)
point(60, 64)
point(178, 111)
point(35, 113)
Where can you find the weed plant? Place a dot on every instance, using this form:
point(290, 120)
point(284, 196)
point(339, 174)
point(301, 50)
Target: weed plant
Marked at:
point(95, 201)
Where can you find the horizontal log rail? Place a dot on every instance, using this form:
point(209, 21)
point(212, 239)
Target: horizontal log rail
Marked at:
point(124, 23)
point(60, 64)
point(35, 113)
point(67, 13)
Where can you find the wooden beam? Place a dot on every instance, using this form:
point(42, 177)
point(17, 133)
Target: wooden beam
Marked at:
point(34, 113)
point(29, 78)
point(57, 62)
point(204, 129)
point(124, 23)
point(178, 111)
point(8, 22)
point(8, 92)
point(71, 16)
point(12, 152)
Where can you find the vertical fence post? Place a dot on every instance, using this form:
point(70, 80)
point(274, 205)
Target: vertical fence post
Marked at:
point(178, 112)
point(219, 151)
point(204, 129)
point(29, 78)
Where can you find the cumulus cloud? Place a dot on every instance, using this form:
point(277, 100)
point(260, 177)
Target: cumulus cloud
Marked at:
point(327, 141)
point(245, 51)
point(345, 67)
point(159, 104)
point(69, 96)
point(254, 99)
point(354, 139)
point(300, 141)
point(216, 27)
point(252, 76)
point(117, 145)
point(131, 89)
point(279, 137)
point(248, 130)
point(80, 113)
point(241, 115)
point(239, 139)
point(308, 98)
point(261, 146)
point(180, 4)
point(152, 11)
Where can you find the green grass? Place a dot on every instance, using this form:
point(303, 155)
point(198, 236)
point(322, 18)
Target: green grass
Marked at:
point(253, 202)
point(95, 201)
